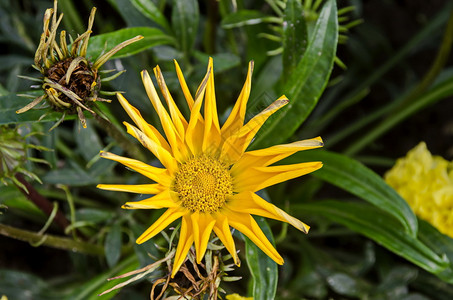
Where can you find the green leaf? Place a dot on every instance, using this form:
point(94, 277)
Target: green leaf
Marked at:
point(19, 285)
point(263, 268)
point(222, 61)
point(184, 18)
point(439, 92)
point(440, 243)
point(243, 17)
point(88, 141)
point(380, 227)
point(346, 285)
point(112, 245)
point(352, 176)
point(72, 176)
point(9, 61)
point(15, 200)
point(295, 37)
point(94, 286)
point(306, 83)
point(129, 13)
point(10, 103)
point(150, 10)
point(93, 215)
point(104, 42)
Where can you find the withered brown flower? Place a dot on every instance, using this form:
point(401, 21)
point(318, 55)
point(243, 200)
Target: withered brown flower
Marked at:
point(71, 83)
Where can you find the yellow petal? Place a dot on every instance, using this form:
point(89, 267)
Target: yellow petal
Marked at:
point(162, 155)
point(256, 179)
point(185, 242)
point(148, 129)
point(202, 228)
point(166, 219)
point(184, 87)
point(248, 226)
point(235, 145)
point(236, 118)
point(211, 137)
point(196, 123)
point(268, 156)
point(150, 189)
point(251, 203)
point(223, 232)
point(157, 174)
point(163, 199)
point(167, 124)
point(178, 119)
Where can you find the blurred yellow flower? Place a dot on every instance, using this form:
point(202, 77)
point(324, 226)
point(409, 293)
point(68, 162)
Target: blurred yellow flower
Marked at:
point(426, 183)
point(208, 179)
point(237, 297)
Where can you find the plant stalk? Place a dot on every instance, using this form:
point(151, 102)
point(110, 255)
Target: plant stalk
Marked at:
point(51, 240)
point(42, 202)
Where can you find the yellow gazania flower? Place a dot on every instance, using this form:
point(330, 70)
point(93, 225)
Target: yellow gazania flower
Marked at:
point(426, 183)
point(237, 297)
point(208, 179)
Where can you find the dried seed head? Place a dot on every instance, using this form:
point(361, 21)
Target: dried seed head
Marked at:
point(70, 81)
point(77, 77)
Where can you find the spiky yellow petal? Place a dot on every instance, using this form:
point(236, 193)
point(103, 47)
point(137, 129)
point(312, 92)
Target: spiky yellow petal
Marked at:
point(150, 189)
point(166, 219)
point(261, 177)
point(251, 203)
point(159, 175)
point(163, 155)
point(163, 199)
point(186, 239)
point(148, 129)
point(236, 118)
point(248, 226)
point(202, 227)
point(235, 145)
point(268, 156)
point(209, 179)
point(223, 232)
point(178, 119)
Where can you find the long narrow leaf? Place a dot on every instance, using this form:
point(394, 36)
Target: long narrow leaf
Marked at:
point(10, 103)
point(306, 83)
point(295, 36)
point(354, 177)
point(264, 270)
point(150, 10)
point(382, 228)
point(185, 17)
point(104, 42)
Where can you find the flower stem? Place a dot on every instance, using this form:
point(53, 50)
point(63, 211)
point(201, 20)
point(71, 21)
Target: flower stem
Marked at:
point(51, 240)
point(42, 202)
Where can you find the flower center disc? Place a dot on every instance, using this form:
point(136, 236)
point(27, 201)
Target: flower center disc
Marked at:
point(203, 184)
point(80, 81)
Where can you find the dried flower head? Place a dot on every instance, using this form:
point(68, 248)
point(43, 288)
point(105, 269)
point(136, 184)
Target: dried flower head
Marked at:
point(71, 83)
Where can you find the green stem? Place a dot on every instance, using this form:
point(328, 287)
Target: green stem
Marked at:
point(51, 240)
point(210, 31)
point(437, 66)
point(42, 202)
point(440, 92)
